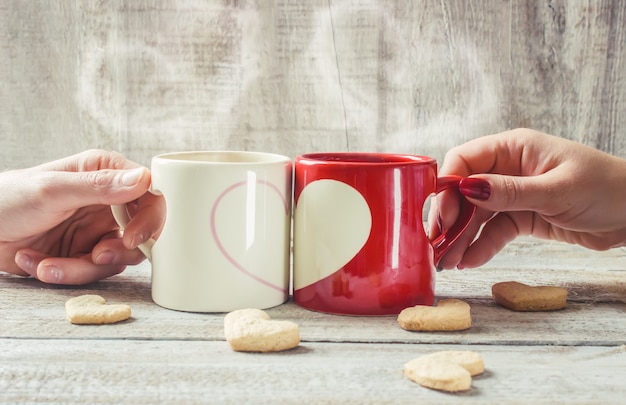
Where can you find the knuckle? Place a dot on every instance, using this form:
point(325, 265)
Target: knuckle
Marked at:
point(98, 180)
point(510, 191)
point(93, 159)
point(46, 188)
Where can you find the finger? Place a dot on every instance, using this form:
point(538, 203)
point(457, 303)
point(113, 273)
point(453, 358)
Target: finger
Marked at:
point(443, 211)
point(74, 271)
point(455, 253)
point(443, 215)
point(434, 220)
point(476, 156)
point(516, 152)
point(494, 236)
point(147, 222)
point(516, 197)
point(517, 193)
point(89, 160)
point(27, 261)
point(64, 191)
point(113, 252)
point(70, 271)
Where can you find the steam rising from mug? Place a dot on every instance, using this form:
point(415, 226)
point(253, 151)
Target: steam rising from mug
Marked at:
point(350, 75)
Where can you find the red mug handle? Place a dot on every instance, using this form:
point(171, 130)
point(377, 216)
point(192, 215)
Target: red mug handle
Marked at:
point(442, 243)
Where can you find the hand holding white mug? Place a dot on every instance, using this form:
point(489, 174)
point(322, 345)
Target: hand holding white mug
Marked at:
point(225, 242)
point(56, 224)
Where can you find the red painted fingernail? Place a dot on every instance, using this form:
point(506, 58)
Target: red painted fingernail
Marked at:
point(475, 188)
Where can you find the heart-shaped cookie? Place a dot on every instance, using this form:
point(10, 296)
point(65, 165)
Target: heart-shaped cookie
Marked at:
point(92, 309)
point(252, 330)
point(447, 315)
point(522, 297)
point(450, 370)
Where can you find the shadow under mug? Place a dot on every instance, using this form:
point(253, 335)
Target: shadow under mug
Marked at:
point(360, 247)
point(225, 244)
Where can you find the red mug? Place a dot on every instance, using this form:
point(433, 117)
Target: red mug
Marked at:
point(360, 247)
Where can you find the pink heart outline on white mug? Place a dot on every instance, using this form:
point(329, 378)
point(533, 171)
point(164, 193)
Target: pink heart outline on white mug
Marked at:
point(221, 247)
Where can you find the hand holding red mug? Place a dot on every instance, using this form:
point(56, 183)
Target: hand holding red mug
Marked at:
point(360, 247)
point(528, 183)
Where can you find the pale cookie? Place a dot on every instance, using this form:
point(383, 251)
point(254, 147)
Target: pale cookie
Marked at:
point(92, 309)
point(521, 297)
point(448, 315)
point(446, 371)
point(252, 330)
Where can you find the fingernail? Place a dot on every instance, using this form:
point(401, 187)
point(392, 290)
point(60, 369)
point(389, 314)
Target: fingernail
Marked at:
point(138, 239)
point(478, 189)
point(50, 274)
point(131, 177)
point(460, 267)
point(25, 262)
point(439, 268)
point(106, 257)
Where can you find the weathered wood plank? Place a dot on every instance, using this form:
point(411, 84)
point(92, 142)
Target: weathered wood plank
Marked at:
point(144, 77)
point(31, 314)
point(132, 372)
point(595, 279)
point(590, 276)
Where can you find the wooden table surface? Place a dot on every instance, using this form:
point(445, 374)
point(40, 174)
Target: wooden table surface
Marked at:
point(576, 355)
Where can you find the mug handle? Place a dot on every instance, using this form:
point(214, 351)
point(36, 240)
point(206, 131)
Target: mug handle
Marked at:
point(122, 217)
point(442, 243)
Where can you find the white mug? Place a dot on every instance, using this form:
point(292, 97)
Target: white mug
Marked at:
point(225, 244)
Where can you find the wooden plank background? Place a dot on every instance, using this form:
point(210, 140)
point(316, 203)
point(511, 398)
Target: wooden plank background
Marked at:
point(292, 76)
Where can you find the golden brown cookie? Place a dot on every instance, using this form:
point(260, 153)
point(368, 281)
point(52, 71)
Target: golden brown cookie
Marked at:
point(450, 370)
point(448, 315)
point(252, 330)
point(92, 309)
point(521, 297)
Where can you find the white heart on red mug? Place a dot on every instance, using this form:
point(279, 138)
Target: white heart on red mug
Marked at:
point(332, 223)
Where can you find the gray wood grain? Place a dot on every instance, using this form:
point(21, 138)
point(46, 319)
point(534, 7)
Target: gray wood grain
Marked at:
point(574, 356)
point(139, 372)
point(492, 324)
point(145, 77)
point(597, 302)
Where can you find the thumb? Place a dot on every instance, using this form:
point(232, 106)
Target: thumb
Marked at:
point(71, 190)
point(496, 192)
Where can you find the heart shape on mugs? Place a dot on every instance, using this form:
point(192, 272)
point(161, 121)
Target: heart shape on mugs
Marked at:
point(263, 224)
point(333, 221)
